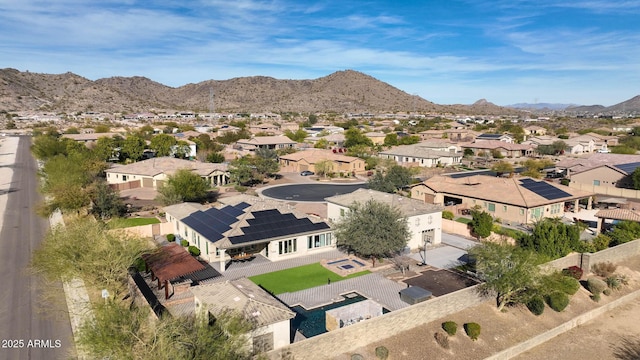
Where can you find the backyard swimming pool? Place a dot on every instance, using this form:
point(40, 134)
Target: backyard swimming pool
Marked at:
point(312, 322)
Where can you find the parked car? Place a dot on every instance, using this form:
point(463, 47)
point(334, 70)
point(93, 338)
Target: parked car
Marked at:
point(307, 173)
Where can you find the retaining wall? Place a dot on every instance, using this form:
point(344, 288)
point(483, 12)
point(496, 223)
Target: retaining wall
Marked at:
point(327, 345)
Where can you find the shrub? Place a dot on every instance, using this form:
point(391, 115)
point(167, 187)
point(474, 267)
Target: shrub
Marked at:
point(573, 271)
point(171, 238)
point(447, 215)
point(184, 243)
point(615, 282)
point(472, 330)
point(536, 305)
point(240, 188)
point(441, 339)
point(558, 300)
point(451, 327)
point(595, 297)
point(607, 291)
point(559, 282)
point(193, 250)
point(604, 269)
point(595, 285)
point(382, 352)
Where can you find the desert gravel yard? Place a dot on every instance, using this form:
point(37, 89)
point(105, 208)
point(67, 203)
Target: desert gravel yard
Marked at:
point(613, 335)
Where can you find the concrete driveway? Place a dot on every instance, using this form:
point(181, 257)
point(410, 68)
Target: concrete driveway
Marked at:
point(451, 253)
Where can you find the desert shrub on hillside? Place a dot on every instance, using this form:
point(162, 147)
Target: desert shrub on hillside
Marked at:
point(472, 330)
point(451, 327)
point(558, 300)
point(536, 305)
point(604, 269)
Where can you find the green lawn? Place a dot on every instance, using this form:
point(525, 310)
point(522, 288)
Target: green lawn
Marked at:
point(463, 220)
point(129, 222)
point(299, 278)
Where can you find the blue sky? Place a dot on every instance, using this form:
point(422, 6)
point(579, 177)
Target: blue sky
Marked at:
point(449, 52)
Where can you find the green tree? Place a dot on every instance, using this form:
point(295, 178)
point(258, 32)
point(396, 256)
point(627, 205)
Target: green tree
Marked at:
point(105, 201)
point(508, 271)
point(162, 144)
point(503, 167)
point(552, 238)
point(187, 185)
point(556, 148)
point(323, 167)
point(354, 137)
point(215, 157)
point(105, 148)
point(372, 229)
point(100, 129)
point(481, 223)
point(297, 136)
point(624, 231)
point(635, 176)
point(46, 146)
point(233, 136)
point(533, 168)
point(408, 140)
point(72, 130)
point(394, 178)
point(133, 147)
point(391, 139)
point(321, 144)
point(468, 152)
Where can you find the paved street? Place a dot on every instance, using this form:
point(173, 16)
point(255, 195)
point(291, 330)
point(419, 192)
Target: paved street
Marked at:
point(29, 327)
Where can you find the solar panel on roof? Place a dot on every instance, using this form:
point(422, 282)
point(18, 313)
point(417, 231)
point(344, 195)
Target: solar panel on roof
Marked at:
point(243, 205)
point(629, 167)
point(231, 211)
point(544, 189)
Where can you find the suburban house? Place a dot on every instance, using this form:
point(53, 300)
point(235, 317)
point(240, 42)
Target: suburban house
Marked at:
point(534, 130)
point(505, 149)
point(454, 134)
point(582, 144)
point(336, 139)
point(266, 142)
point(424, 154)
point(424, 220)
point(89, 137)
point(152, 173)
point(516, 200)
point(600, 172)
point(271, 129)
point(248, 226)
point(495, 137)
point(269, 318)
point(307, 160)
point(376, 137)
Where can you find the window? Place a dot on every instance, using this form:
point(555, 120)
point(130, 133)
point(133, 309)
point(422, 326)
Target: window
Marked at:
point(491, 207)
point(596, 182)
point(521, 211)
point(124, 177)
point(287, 246)
point(504, 208)
point(341, 212)
point(318, 240)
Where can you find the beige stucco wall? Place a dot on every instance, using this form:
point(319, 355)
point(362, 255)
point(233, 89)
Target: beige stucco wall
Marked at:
point(607, 177)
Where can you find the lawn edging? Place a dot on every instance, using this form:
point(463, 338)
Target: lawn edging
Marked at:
point(561, 329)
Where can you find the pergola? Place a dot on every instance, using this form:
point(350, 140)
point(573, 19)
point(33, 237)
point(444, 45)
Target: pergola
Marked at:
point(170, 262)
point(615, 214)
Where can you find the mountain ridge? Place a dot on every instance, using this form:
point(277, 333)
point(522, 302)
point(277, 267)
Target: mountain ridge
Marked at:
point(342, 91)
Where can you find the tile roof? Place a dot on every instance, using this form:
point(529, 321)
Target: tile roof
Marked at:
point(618, 214)
point(496, 144)
point(408, 207)
point(166, 165)
point(267, 140)
point(242, 295)
point(313, 156)
point(596, 160)
point(422, 150)
point(500, 190)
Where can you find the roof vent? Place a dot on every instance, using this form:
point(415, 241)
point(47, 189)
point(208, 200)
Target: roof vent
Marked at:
point(255, 313)
point(236, 299)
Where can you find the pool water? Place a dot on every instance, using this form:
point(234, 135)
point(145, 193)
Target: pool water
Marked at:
point(312, 322)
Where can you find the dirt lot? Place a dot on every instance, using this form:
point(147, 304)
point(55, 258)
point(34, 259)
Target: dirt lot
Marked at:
point(441, 282)
point(614, 335)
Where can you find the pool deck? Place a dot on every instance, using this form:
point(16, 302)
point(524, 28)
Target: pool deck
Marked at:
point(373, 286)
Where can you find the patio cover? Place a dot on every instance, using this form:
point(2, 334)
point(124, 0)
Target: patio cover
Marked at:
point(618, 214)
point(171, 262)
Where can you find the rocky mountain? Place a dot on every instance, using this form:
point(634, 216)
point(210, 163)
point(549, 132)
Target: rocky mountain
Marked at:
point(629, 106)
point(540, 106)
point(342, 91)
